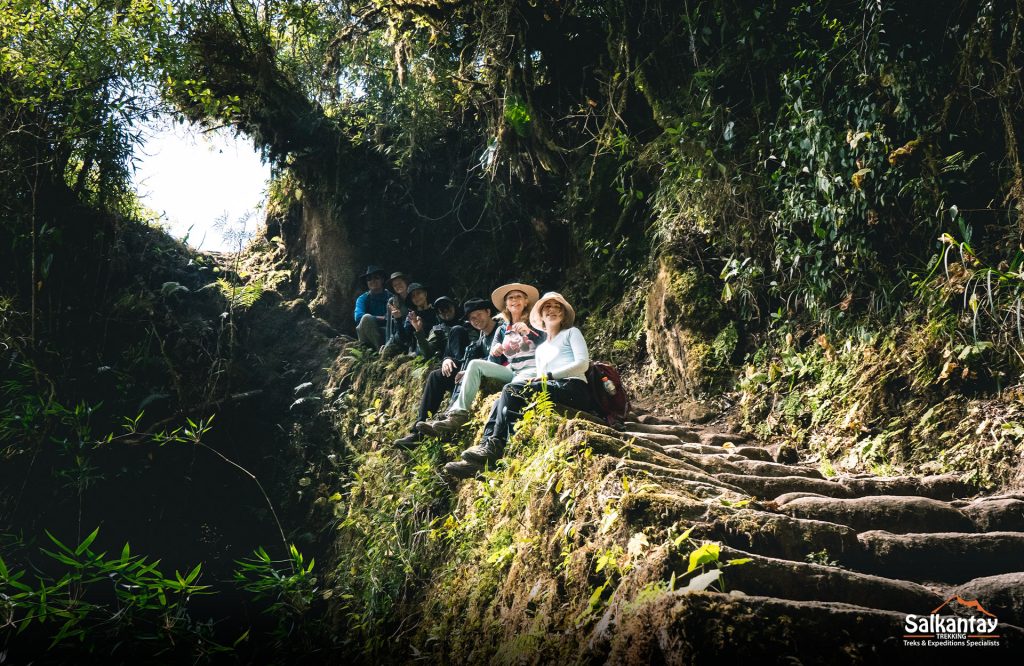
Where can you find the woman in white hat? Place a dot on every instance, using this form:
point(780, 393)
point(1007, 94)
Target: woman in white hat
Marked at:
point(561, 366)
point(512, 358)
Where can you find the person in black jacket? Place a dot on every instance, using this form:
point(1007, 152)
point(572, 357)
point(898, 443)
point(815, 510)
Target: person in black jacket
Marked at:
point(447, 377)
point(421, 318)
point(451, 330)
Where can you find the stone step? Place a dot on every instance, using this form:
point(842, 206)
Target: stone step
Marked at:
point(761, 468)
point(719, 438)
point(941, 487)
point(896, 514)
point(732, 455)
point(802, 581)
point(941, 557)
point(754, 453)
point(767, 487)
point(660, 438)
point(996, 515)
point(704, 628)
point(642, 469)
point(675, 430)
point(782, 536)
point(1002, 595)
point(653, 419)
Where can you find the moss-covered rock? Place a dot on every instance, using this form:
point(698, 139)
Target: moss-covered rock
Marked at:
point(689, 337)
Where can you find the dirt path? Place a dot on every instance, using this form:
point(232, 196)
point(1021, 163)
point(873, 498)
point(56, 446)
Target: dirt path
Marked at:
point(833, 563)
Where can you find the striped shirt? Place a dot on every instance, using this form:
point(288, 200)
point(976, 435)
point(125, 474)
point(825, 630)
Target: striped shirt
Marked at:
point(517, 352)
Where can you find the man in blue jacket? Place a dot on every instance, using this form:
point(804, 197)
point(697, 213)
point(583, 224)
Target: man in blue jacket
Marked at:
point(372, 307)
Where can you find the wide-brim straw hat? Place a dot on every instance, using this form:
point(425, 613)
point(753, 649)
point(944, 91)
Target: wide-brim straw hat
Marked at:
point(498, 295)
point(568, 317)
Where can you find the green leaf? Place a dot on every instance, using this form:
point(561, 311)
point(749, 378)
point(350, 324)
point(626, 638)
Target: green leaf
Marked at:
point(59, 544)
point(682, 537)
point(194, 573)
point(82, 547)
point(705, 554)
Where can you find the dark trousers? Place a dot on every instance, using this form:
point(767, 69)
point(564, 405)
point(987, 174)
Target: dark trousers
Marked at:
point(433, 393)
point(514, 398)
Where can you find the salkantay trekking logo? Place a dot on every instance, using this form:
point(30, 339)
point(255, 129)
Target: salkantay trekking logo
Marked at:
point(933, 630)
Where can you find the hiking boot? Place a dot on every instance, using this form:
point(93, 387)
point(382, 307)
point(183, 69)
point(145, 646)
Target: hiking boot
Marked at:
point(487, 451)
point(409, 441)
point(462, 469)
point(449, 424)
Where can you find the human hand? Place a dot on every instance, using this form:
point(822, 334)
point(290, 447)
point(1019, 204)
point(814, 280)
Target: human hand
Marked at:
point(459, 376)
point(448, 367)
point(520, 328)
point(395, 310)
point(416, 321)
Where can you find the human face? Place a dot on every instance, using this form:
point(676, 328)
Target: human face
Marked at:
point(552, 313)
point(480, 320)
point(419, 299)
point(515, 301)
point(447, 312)
point(375, 283)
point(400, 287)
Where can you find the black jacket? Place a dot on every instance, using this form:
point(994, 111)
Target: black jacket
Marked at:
point(479, 348)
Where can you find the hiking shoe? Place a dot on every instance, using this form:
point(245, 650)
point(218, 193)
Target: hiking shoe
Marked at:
point(462, 469)
point(449, 424)
point(488, 451)
point(409, 441)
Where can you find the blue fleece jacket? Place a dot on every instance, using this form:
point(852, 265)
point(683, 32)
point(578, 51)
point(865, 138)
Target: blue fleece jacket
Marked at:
point(373, 304)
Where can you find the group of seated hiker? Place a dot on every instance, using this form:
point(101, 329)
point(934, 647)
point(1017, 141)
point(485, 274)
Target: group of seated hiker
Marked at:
point(402, 319)
point(531, 345)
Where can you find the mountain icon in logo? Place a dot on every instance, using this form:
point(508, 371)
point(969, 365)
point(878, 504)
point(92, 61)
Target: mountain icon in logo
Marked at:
point(973, 605)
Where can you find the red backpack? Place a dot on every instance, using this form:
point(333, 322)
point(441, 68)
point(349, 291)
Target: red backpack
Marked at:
point(609, 394)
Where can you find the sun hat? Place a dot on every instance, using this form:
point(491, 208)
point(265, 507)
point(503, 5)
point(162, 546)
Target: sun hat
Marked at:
point(568, 318)
point(415, 286)
point(499, 294)
point(396, 275)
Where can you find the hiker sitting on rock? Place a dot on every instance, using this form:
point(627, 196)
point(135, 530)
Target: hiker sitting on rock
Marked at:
point(394, 340)
point(511, 357)
point(451, 328)
point(371, 308)
point(456, 359)
point(421, 318)
point(561, 366)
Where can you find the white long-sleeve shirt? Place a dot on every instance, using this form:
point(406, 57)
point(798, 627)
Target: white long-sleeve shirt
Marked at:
point(565, 356)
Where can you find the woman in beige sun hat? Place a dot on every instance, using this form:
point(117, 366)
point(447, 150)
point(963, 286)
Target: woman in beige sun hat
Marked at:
point(511, 359)
point(561, 363)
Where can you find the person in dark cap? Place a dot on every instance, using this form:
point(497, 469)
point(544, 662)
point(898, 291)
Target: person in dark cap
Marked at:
point(450, 329)
point(449, 376)
point(421, 319)
point(371, 308)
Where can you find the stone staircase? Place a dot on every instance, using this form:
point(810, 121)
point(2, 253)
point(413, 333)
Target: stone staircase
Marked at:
point(834, 566)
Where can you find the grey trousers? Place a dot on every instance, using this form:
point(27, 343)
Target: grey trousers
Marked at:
point(370, 332)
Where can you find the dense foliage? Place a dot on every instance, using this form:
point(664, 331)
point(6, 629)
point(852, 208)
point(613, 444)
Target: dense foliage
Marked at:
point(830, 197)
